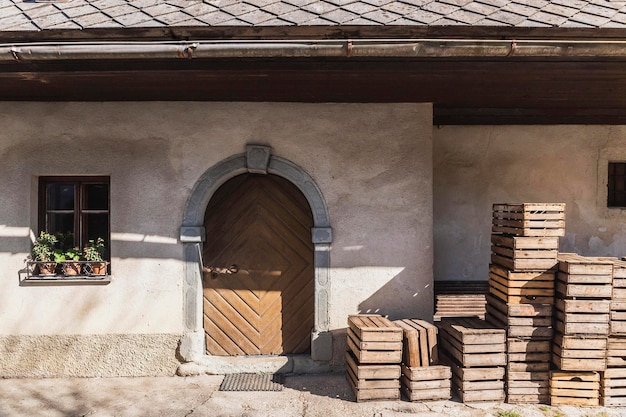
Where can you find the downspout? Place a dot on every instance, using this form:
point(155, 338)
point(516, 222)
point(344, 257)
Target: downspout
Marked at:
point(392, 48)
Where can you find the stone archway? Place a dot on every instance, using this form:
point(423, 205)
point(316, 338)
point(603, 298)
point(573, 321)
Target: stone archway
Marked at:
point(257, 160)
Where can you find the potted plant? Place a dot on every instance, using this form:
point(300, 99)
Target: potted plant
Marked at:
point(43, 253)
point(93, 252)
point(71, 261)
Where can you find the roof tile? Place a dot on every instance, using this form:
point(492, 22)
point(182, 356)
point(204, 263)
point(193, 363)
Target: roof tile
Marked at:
point(590, 19)
point(505, 18)
point(424, 16)
point(132, 19)
point(441, 8)
point(280, 8)
point(298, 17)
point(150, 13)
point(339, 16)
point(599, 10)
point(120, 10)
point(480, 8)
point(320, 7)
point(560, 10)
point(359, 8)
point(257, 16)
point(464, 16)
point(92, 19)
point(382, 16)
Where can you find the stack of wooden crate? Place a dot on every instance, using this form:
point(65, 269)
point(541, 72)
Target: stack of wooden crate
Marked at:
point(613, 379)
point(583, 302)
point(521, 292)
point(475, 350)
point(422, 378)
point(373, 357)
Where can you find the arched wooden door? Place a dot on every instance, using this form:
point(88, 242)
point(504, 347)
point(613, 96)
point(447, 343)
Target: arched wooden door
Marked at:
point(260, 225)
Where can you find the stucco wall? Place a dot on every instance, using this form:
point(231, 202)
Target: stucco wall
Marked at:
point(373, 164)
point(476, 166)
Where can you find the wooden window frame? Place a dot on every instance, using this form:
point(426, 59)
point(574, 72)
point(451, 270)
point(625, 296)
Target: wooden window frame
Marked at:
point(79, 210)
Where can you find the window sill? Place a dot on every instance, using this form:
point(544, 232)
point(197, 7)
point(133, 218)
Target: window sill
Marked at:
point(83, 273)
point(78, 280)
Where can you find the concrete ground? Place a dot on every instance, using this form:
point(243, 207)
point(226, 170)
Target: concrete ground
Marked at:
point(321, 395)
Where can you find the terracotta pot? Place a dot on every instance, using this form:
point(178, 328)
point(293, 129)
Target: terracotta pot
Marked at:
point(71, 268)
point(98, 268)
point(47, 268)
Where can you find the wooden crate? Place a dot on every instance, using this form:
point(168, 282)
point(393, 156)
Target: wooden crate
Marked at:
point(372, 382)
point(473, 342)
point(618, 317)
point(579, 353)
point(426, 383)
point(524, 253)
point(575, 388)
point(575, 264)
point(616, 352)
point(535, 327)
point(528, 387)
point(529, 219)
point(521, 320)
point(475, 384)
point(515, 287)
point(419, 343)
point(528, 350)
point(613, 387)
point(460, 299)
point(374, 339)
point(527, 356)
point(520, 310)
point(583, 317)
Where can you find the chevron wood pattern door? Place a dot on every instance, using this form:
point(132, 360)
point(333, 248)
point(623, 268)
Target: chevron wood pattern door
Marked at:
point(260, 225)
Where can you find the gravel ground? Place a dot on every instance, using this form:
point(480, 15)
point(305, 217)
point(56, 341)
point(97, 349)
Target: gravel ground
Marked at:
point(325, 395)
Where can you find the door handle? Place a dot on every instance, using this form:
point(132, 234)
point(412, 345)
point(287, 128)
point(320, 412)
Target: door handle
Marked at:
point(215, 271)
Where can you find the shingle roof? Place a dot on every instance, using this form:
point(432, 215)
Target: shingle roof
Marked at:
point(30, 15)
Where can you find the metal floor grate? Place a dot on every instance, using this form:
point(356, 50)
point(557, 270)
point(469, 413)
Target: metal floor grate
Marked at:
point(252, 382)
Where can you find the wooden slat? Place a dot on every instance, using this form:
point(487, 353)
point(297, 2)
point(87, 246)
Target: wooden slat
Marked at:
point(419, 343)
point(473, 331)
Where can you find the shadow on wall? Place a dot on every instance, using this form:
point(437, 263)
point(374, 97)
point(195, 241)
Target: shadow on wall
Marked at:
point(402, 297)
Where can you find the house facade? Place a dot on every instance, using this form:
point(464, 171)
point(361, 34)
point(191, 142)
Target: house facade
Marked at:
point(261, 171)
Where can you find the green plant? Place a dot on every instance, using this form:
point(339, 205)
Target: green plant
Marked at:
point(43, 248)
point(73, 254)
point(510, 413)
point(94, 250)
point(59, 256)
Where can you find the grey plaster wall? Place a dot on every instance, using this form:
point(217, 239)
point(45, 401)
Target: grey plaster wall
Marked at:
point(88, 355)
point(372, 162)
point(476, 166)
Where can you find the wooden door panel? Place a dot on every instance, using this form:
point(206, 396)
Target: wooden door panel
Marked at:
point(263, 225)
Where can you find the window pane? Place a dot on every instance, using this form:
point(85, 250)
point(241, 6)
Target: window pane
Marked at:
point(60, 196)
point(61, 223)
point(95, 226)
point(96, 197)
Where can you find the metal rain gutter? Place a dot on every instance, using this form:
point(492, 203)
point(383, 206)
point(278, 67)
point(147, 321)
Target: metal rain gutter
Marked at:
point(364, 48)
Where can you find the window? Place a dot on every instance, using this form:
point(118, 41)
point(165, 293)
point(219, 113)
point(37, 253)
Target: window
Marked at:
point(617, 184)
point(76, 209)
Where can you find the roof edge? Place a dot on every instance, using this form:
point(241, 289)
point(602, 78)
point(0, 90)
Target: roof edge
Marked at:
point(188, 33)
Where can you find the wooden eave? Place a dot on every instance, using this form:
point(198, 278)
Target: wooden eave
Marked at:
point(473, 90)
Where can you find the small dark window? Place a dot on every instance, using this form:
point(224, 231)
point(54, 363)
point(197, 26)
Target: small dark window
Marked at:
point(76, 209)
point(617, 184)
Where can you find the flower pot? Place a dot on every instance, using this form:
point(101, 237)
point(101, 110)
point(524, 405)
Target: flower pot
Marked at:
point(98, 268)
point(71, 268)
point(47, 269)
